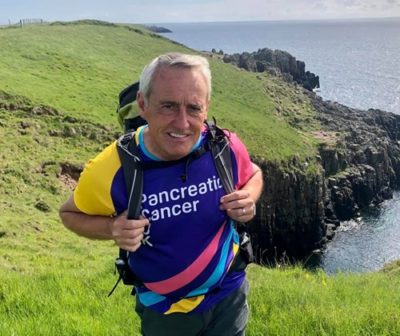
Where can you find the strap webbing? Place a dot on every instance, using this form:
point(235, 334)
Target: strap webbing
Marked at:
point(222, 156)
point(133, 173)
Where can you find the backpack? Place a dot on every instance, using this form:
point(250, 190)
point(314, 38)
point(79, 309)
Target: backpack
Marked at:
point(217, 143)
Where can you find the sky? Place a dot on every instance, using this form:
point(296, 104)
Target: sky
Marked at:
point(163, 11)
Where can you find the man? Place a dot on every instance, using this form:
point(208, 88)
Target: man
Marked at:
point(185, 241)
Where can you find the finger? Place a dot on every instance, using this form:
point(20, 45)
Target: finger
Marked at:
point(127, 233)
point(135, 224)
point(246, 211)
point(236, 212)
point(130, 244)
point(243, 212)
point(130, 241)
point(236, 195)
point(233, 205)
point(132, 234)
point(131, 248)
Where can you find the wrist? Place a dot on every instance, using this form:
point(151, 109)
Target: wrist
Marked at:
point(110, 227)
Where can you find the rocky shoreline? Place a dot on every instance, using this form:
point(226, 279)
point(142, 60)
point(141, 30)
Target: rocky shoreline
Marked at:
point(275, 62)
point(360, 167)
point(298, 213)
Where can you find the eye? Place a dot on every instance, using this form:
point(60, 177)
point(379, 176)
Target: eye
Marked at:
point(167, 106)
point(194, 109)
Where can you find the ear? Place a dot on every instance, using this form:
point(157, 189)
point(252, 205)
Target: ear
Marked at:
point(140, 102)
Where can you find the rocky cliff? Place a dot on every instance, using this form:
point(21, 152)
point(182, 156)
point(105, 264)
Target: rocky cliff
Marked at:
point(364, 166)
point(290, 214)
point(275, 62)
point(359, 160)
point(360, 167)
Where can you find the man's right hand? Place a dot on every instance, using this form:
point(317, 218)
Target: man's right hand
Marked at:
point(128, 233)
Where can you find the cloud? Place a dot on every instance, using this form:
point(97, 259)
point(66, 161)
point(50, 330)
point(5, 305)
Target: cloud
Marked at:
point(239, 10)
point(321, 9)
point(394, 2)
point(159, 11)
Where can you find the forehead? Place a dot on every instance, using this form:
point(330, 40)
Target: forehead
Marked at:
point(179, 82)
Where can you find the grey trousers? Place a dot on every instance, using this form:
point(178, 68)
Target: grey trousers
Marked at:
point(227, 318)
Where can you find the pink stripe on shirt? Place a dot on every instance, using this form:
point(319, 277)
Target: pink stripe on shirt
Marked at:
point(189, 274)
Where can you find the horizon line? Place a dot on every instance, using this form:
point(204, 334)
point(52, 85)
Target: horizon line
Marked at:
point(222, 21)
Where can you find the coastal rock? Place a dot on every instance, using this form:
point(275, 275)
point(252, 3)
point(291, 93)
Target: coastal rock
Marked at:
point(364, 168)
point(289, 220)
point(275, 62)
point(360, 167)
point(157, 29)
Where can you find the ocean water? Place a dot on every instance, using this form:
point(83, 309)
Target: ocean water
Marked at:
point(366, 243)
point(358, 62)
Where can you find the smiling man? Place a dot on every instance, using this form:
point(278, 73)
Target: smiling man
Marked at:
point(175, 109)
point(183, 245)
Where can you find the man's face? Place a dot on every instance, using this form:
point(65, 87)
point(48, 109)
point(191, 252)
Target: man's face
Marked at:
point(175, 112)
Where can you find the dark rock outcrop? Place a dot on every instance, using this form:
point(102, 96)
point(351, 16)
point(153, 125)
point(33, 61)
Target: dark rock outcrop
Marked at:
point(360, 167)
point(157, 29)
point(289, 221)
point(364, 167)
point(275, 62)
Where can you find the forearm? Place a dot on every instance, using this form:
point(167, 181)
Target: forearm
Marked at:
point(94, 227)
point(254, 185)
point(127, 233)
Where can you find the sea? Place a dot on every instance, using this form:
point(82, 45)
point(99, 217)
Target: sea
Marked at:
point(358, 63)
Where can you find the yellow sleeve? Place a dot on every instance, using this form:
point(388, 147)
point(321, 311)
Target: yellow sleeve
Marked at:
point(92, 195)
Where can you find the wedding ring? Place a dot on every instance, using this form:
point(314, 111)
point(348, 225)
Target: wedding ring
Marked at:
point(243, 211)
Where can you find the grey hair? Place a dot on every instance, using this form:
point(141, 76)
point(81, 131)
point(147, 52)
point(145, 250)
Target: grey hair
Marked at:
point(174, 60)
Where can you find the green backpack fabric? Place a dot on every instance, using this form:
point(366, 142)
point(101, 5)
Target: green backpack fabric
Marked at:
point(127, 110)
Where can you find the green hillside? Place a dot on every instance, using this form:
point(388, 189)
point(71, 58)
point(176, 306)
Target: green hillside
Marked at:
point(58, 91)
point(79, 70)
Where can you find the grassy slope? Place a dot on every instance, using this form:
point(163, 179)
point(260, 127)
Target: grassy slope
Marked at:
point(75, 68)
point(80, 69)
point(53, 282)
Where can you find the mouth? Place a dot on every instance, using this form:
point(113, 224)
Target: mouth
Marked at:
point(178, 135)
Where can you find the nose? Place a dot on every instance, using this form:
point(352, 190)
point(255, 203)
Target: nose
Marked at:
point(181, 119)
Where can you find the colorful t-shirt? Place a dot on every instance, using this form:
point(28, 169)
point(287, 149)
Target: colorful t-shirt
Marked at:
point(190, 243)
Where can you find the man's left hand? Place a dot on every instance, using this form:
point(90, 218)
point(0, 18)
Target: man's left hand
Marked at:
point(239, 206)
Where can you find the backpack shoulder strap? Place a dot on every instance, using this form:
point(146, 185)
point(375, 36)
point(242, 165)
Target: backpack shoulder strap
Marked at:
point(221, 152)
point(133, 172)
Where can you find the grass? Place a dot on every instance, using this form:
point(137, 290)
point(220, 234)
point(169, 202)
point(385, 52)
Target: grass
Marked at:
point(64, 302)
point(80, 69)
point(58, 89)
point(75, 68)
point(289, 301)
point(293, 301)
